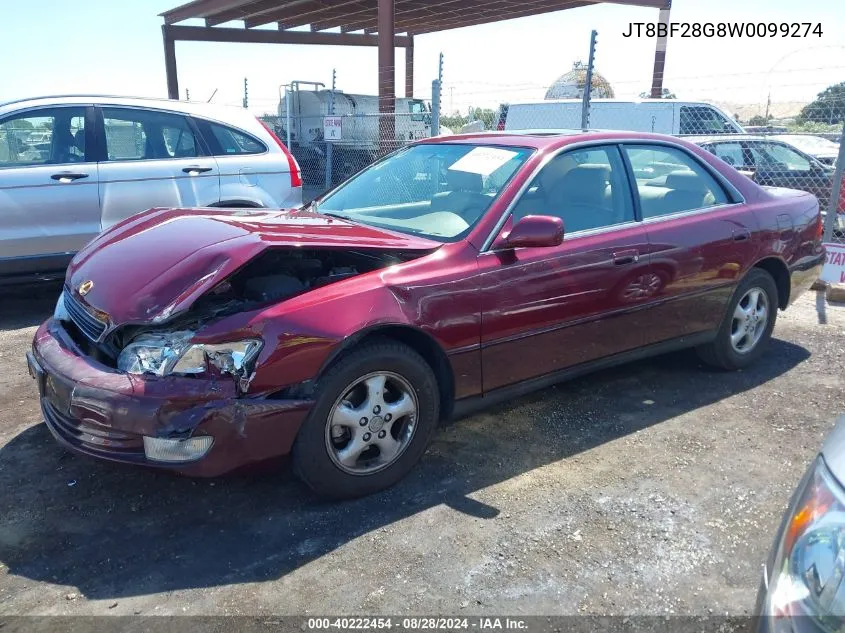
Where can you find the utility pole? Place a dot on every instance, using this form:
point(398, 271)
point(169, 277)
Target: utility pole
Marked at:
point(588, 86)
point(246, 94)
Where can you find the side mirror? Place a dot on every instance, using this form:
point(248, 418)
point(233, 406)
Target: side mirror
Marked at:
point(536, 231)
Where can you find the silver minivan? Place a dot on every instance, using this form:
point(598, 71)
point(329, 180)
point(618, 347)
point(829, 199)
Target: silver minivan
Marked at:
point(72, 166)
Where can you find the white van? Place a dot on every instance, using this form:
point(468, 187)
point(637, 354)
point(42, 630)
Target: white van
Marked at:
point(663, 116)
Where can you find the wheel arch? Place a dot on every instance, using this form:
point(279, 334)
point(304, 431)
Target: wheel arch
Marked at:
point(779, 271)
point(418, 340)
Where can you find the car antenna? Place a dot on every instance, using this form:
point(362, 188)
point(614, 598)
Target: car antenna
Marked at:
point(212, 96)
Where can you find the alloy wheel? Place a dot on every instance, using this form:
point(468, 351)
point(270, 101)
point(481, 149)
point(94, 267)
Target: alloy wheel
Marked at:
point(371, 423)
point(750, 318)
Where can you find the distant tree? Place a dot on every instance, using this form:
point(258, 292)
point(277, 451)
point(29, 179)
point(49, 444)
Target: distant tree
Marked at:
point(456, 121)
point(759, 119)
point(666, 94)
point(485, 115)
point(829, 106)
point(453, 121)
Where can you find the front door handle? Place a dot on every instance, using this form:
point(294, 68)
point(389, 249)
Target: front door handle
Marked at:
point(195, 169)
point(623, 258)
point(68, 176)
point(741, 235)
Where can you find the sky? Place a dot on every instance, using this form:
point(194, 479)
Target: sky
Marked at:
point(115, 47)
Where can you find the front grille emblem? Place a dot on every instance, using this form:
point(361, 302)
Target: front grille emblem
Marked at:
point(85, 287)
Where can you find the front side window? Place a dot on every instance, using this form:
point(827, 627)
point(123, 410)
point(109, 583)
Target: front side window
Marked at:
point(776, 157)
point(417, 110)
point(134, 134)
point(439, 191)
point(586, 188)
point(670, 181)
point(227, 141)
point(49, 136)
point(703, 120)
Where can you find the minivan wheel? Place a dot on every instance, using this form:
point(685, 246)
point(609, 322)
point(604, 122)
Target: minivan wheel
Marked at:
point(747, 325)
point(376, 410)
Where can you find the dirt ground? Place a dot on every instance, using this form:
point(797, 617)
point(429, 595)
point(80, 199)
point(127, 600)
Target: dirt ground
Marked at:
point(653, 488)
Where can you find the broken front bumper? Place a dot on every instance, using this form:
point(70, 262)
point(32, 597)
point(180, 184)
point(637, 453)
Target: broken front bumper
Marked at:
point(98, 411)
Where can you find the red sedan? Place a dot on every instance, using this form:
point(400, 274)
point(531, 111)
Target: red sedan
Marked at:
point(451, 274)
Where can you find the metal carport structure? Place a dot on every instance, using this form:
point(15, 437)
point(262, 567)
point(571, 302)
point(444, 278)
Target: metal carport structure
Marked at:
point(387, 24)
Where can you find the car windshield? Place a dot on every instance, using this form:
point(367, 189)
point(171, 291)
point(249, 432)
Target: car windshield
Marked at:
point(810, 143)
point(439, 191)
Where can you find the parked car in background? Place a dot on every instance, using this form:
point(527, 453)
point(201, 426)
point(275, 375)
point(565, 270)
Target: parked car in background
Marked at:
point(660, 116)
point(823, 150)
point(802, 586)
point(766, 129)
point(776, 163)
point(73, 166)
point(451, 274)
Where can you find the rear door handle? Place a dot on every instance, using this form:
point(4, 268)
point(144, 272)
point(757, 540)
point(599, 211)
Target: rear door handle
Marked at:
point(741, 235)
point(68, 176)
point(623, 258)
point(196, 170)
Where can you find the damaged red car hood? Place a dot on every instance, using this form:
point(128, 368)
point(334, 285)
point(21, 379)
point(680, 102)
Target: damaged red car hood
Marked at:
point(156, 264)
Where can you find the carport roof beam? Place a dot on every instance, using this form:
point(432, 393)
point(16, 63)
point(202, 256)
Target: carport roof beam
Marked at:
point(357, 21)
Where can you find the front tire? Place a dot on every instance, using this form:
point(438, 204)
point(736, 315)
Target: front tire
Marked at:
point(376, 410)
point(747, 325)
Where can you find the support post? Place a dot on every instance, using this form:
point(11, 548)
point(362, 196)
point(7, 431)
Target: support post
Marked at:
point(435, 107)
point(330, 144)
point(409, 67)
point(660, 53)
point(170, 63)
point(588, 83)
point(288, 97)
point(386, 72)
point(836, 190)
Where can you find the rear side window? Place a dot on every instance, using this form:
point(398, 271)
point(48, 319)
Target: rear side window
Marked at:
point(50, 136)
point(225, 141)
point(146, 135)
point(731, 153)
point(670, 181)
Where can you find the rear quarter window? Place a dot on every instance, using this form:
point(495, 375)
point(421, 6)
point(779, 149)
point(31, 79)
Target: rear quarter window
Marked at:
point(227, 141)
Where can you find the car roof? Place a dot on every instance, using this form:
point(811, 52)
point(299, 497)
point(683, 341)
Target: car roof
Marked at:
point(184, 107)
point(543, 139)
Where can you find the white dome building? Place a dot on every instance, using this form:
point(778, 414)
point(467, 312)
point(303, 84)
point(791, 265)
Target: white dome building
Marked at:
point(572, 84)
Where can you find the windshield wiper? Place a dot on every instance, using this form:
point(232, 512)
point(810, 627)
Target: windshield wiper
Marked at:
point(339, 216)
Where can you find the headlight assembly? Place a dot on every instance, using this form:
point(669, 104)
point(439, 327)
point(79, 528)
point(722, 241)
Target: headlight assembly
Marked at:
point(809, 565)
point(173, 353)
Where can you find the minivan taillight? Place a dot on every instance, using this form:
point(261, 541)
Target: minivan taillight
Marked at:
point(295, 174)
point(503, 116)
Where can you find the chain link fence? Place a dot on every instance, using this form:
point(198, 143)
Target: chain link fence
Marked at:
point(793, 144)
point(359, 140)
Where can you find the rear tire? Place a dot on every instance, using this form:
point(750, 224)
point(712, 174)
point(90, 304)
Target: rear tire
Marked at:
point(747, 325)
point(351, 445)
